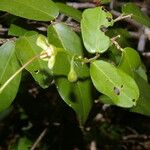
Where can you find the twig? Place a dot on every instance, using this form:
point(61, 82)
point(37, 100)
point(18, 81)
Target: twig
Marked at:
point(141, 43)
point(81, 5)
point(113, 40)
point(129, 20)
point(41, 136)
point(121, 17)
point(146, 54)
point(2, 41)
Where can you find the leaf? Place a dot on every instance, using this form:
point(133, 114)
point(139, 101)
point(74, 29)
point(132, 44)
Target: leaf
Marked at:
point(114, 83)
point(8, 66)
point(69, 11)
point(93, 19)
point(16, 30)
point(143, 104)
point(63, 37)
point(73, 95)
point(22, 144)
point(138, 15)
point(27, 49)
point(141, 71)
point(44, 10)
point(130, 61)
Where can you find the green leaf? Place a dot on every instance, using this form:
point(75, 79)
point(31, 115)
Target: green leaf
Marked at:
point(8, 66)
point(23, 144)
point(130, 61)
point(93, 19)
point(16, 30)
point(60, 35)
point(138, 15)
point(71, 92)
point(114, 83)
point(73, 95)
point(141, 71)
point(27, 49)
point(69, 11)
point(143, 104)
point(44, 10)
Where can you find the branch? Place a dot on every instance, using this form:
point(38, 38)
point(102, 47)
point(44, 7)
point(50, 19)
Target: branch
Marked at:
point(121, 17)
point(129, 20)
point(81, 5)
point(113, 40)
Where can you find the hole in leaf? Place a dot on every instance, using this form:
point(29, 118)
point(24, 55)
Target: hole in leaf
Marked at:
point(109, 19)
point(73, 97)
point(36, 71)
point(104, 9)
point(103, 28)
point(133, 100)
point(116, 91)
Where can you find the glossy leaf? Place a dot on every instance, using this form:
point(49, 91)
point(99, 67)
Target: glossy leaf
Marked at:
point(27, 49)
point(69, 11)
point(65, 38)
point(93, 19)
point(144, 100)
point(138, 15)
point(71, 92)
point(114, 83)
point(130, 61)
point(8, 66)
point(77, 95)
point(44, 10)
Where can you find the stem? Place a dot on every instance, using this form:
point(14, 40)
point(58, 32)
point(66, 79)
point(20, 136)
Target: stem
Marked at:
point(18, 71)
point(121, 17)
point(86, 60)
point(113, 40)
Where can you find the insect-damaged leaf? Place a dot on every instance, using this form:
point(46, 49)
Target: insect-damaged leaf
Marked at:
point(27, 49)
point(114, 83)
point(93, 20)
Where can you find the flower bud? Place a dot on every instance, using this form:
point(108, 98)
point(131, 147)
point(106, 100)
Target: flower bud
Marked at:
point(72, 75)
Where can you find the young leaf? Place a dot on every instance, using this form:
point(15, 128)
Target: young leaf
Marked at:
point(138, 15)
point(27, 49)
point(44, 10)
point(69, 11)
point(130, 61)
point(93, 20)
point(114, 83)
point(8, 66)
